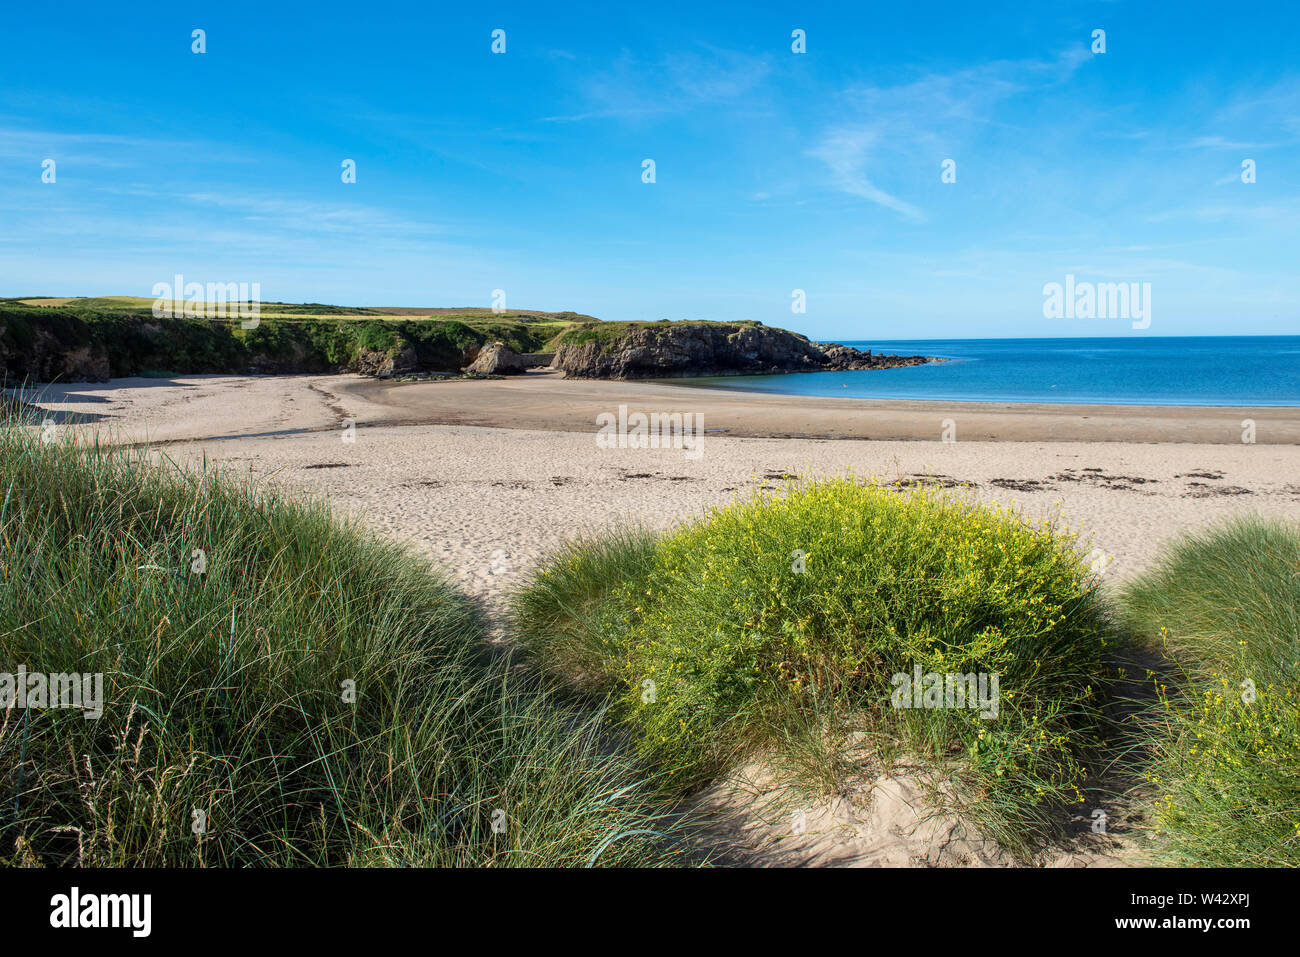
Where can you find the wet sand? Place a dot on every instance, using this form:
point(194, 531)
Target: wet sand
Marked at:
point(543, 400)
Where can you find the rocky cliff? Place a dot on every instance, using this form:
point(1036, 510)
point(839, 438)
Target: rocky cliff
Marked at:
point(73, 345)
point(664, 350)
point(53, 344)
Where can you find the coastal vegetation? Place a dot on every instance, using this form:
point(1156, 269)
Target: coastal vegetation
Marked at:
point(608, 335)
point(97, 339)
point(1224, 737)
point(778, 629)
point(278, 688)
point(776, 625)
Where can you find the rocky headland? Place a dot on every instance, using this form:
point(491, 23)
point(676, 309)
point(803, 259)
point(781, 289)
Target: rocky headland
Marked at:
point(77, 344)
point(656, 350)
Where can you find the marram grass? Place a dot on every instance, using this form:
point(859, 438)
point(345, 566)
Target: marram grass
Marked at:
point(227, 736)
point(769, 621)
point(1224, 736)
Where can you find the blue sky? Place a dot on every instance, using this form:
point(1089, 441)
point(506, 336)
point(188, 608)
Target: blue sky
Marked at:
point(775, 171)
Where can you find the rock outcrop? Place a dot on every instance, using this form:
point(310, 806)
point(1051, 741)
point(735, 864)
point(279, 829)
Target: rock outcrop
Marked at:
point(385, 365)
point(680, 349)
point(839, 358)
point(497, 359)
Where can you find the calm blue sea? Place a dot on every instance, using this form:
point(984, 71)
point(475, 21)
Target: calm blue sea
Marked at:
point(1219, 370)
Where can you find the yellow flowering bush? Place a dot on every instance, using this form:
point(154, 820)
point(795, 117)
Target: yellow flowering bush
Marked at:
point(725, 631)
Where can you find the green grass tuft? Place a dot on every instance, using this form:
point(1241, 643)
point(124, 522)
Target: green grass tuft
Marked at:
point(1224, 738)
point(224, 690)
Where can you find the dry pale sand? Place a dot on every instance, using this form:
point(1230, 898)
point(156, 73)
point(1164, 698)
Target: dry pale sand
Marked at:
point(487, 501)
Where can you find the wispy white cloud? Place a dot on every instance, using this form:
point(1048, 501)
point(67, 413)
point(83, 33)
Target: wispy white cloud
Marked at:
point(1286, 210)
point(1222, 143)
point(98, 149)
point(307, 215)
point(846, 153)
point(935, 111)
point(633, 87)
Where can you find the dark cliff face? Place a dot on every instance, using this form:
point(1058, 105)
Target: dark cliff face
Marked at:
point(697, 349)
point(59, 348)
point(48, 345)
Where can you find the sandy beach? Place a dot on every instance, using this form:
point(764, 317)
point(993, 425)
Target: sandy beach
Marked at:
point(486, 477)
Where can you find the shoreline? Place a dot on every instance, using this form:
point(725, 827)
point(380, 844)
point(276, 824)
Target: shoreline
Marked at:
point(542, 400)
point(707, 382)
